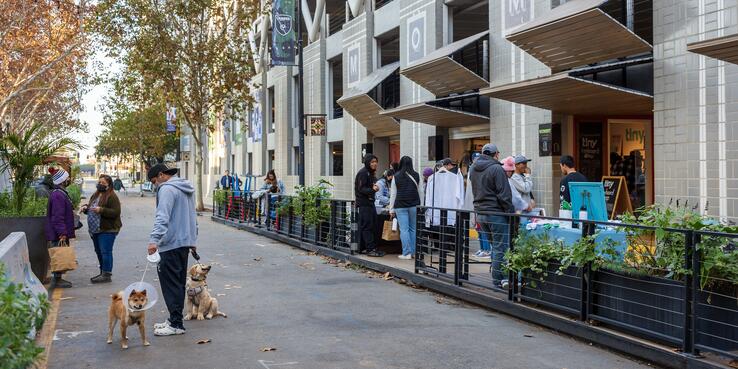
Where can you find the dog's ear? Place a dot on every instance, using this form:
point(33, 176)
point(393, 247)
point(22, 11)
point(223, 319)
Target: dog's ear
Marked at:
point(143, 292)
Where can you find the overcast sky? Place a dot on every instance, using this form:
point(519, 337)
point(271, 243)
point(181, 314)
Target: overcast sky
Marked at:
point(91, 102)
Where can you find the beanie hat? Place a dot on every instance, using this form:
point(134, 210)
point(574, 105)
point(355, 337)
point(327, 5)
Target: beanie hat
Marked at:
point(60, 176)
point(508, 164)
point(427, 172)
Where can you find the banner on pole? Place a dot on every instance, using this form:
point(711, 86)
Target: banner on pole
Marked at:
point(284, 40)
point(171, 118)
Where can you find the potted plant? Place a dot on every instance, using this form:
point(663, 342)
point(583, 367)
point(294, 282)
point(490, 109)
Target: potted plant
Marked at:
point(22, 155)
point(219, 198)
point(537, 259)
point(311, 206)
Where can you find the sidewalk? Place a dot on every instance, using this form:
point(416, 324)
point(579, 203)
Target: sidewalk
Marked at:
point(315, 315)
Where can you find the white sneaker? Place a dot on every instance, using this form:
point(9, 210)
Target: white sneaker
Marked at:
point(168, 331)
point(483, 256)
point(405, 257)
point(505, 284)
point(162, 325)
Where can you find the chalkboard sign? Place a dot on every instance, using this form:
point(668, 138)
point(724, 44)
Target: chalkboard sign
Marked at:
point(589, 150)
point(617, 198)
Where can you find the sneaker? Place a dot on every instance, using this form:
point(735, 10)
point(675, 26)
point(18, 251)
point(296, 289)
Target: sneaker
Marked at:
point(405, 257)
point(505, 284)
point(168, 331)
point(478, 253)
point(375, 253)
point(483, 256)
point(162, 325)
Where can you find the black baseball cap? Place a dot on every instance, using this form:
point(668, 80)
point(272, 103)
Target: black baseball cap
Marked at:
point(161, 168)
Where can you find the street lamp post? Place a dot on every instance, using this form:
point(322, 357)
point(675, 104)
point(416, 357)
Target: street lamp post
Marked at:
point(300, 99)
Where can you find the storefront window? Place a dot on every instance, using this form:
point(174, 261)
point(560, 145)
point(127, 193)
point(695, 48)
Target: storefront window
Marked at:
point(630, 157)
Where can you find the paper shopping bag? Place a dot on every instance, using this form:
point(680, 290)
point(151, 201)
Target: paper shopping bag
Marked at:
point(388, 234)
point(63, 258)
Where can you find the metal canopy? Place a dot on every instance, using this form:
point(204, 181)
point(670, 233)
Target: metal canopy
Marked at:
point(436, 116)
point(577, 33)
point(563, 93)
point(721, 48)
point(365, 110)
point(438, 73)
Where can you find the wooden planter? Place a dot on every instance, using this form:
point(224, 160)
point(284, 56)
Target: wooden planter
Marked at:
point(645, 305)
point(561, 292)
point(38, 251)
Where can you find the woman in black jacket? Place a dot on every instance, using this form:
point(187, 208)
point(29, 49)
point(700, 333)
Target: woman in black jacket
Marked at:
point(404, 200)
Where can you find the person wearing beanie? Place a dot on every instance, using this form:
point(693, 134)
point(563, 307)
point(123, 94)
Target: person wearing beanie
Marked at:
point(364, 189)
point(508, 165)
point(59, 227)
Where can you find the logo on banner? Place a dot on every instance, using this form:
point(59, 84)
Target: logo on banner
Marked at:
point(416, 37)
point(284, 24)
point(353, 65)
point(516, 13)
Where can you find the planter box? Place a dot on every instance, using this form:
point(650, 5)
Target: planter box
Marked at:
point(717, 318)
point(560, 291)
point(645, 305)
point(38, 251)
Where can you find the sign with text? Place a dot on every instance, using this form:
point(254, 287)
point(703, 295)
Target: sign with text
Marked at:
point(549, 139)
point(416, 37)
point(589, 149)
point(617, 199)
point(516, 13)
point(284, 39)
point(256, 118)
point(171, 118)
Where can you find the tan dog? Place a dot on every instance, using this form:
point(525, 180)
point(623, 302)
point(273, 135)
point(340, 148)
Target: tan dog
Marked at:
point(118, 312)
point(198, 303)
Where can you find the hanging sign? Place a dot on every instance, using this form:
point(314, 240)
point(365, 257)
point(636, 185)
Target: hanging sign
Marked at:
point(617, 199)
point(284, 40)
point(171, 118)
point(316, 124)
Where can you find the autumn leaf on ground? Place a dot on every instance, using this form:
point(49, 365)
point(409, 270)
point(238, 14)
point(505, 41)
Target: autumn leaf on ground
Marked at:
point(202, 342)
point(267, 349)
point(387, 276)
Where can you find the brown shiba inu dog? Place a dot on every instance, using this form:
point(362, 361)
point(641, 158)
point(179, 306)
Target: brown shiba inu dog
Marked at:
point(128, 315)
point(198, 303)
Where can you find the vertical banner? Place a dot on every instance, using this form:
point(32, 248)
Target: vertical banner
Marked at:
point(284, 39)
point(256, 117)
point(316, 123)
point(171, 118)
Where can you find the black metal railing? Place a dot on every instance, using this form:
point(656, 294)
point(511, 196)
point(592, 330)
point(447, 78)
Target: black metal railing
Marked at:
point(469, 103)
point(672, 286)
point(387, 93)
point(472, 57)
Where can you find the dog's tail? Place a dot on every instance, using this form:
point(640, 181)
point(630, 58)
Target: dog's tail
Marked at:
point(117, 296)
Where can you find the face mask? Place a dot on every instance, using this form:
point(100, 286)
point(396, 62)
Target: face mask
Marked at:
point(101, 187)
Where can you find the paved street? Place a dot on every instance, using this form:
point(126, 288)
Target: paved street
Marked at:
point(314, 314)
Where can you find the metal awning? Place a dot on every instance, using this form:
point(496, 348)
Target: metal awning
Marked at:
point(436, 115)
point(577, 33)
point(438, 73)
point(563, 93)
point(357, 102)
point(721, 48)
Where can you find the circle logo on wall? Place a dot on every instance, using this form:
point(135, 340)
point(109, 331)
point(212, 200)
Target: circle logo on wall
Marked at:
point(416, 37)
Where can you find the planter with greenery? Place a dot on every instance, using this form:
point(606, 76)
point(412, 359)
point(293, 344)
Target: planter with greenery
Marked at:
point(219, 199)
point(23, 155)
point(21, 314)
point(311, 205)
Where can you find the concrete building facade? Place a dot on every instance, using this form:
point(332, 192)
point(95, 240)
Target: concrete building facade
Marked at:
point(639, 89)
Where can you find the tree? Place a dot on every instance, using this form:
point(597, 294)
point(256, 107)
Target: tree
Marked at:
point(136, 133)
point(42, 63)
point(193, 54)
point(21, 155)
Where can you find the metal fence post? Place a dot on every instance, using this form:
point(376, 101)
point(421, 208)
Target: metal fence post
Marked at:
point(354, 229)
point(268, 210)
point(319, 226)
point(458, 248)
point(214, 203)
point(512, 277)
point(689, 250)
point(303, 229)
point(696, 278)
point(586, 285)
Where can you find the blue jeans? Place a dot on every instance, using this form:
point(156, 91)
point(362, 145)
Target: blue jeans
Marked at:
point(497, 228)
point(483, 241)
point(104, 249)
point(407, 218)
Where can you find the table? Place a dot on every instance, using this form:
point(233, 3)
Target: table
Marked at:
point(571, 235)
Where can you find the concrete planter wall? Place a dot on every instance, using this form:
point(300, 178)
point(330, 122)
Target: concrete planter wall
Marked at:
point(37, 245)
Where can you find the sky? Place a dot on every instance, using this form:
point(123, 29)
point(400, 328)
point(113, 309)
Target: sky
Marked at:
point(91, 101)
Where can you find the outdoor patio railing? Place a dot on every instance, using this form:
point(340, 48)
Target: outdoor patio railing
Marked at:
point(669, 285)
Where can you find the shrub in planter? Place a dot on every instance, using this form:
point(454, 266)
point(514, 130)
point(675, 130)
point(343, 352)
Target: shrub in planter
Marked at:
point(219, 198)
point(21, 314)
point(311, 204)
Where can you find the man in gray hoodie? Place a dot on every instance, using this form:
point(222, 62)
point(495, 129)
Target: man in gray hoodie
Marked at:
point(492, 201)
point(174, 234)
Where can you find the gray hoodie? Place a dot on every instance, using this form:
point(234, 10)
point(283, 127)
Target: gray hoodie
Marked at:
point(175, 224)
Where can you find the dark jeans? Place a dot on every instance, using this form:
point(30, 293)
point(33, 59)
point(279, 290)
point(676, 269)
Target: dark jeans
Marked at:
point(172, 277)
point(104, 249)
point(497, 230)
point(367, 219)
